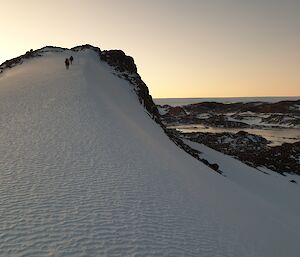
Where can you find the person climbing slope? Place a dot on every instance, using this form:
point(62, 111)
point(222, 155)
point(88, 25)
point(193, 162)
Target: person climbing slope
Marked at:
point(67, 63)
point(71, 59)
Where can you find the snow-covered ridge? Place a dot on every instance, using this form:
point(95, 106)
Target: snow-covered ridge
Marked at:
point(116, 58)
point(124, 68)
point(85, 171)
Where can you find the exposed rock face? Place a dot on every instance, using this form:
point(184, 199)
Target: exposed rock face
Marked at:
point(126, 69)
point(119, 60)
point(253, 150)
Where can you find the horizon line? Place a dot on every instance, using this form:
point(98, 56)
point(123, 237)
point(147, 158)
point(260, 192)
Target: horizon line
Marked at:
point(226, 97)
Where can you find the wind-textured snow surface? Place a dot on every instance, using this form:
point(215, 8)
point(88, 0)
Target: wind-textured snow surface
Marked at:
point(272, 186)
point(84, 171)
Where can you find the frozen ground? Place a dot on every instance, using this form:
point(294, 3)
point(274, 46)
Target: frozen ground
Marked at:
point(84, 171)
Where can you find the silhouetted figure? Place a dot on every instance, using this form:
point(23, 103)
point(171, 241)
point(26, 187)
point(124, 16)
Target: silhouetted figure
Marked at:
point(71, 59)
point(67, 63)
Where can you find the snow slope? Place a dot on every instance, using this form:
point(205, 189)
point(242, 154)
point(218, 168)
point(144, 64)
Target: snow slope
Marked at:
point(84, 171)
point(269, 185)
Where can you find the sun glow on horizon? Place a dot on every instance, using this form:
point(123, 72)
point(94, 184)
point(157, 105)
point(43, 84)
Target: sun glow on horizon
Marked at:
point(181, 48)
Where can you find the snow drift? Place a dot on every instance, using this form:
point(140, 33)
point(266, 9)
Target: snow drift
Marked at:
point(84, 171)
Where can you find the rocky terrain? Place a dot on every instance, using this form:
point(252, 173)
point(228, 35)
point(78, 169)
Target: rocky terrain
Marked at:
point(252, 150)
point(235, 115)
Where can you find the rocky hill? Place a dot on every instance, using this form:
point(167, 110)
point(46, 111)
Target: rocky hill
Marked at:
point(234, 115)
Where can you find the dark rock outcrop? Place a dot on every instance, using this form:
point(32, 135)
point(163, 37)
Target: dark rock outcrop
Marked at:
point(214, 166)
point(126, 69)
point(119, 60)
point(253, 150)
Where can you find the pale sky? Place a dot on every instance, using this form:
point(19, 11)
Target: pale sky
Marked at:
point(187, 48)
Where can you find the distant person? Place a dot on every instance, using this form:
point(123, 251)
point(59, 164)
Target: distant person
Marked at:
point(67, 63)
point(71, 59)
